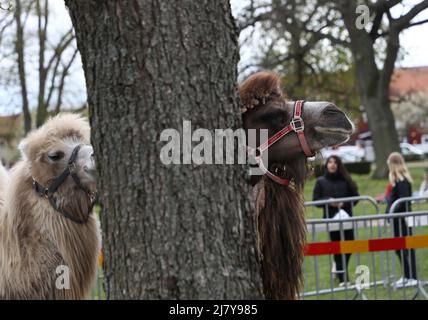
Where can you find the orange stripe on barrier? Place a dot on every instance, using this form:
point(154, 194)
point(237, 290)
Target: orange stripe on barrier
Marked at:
point(417, 242)
point(360, 246)
point(354, 246)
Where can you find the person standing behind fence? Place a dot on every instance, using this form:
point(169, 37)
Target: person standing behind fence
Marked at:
point(401, 181)
point(337, 183)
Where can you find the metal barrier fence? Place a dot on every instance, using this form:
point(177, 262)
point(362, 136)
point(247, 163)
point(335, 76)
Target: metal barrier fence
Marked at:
point(381, 248)
point(372, 245)
point(366, 205)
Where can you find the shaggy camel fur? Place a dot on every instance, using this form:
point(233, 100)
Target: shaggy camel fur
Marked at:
point(34, 238)
point(4, 181)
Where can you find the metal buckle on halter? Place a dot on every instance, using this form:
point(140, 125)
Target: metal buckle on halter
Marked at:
point(42, 192)
point(297, 124)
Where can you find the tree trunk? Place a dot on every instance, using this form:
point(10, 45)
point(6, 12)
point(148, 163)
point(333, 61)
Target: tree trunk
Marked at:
point(374, 87)
point(42, 16)
point(384, 134)
point(19, 48)
point(169, 231)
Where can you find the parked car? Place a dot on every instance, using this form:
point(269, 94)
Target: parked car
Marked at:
point(408, 149)
point(352, 154)
point(348, 154)
point(423, 147)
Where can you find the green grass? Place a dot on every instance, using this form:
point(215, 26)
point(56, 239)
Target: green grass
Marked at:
point(98, 292)
point(381, 264)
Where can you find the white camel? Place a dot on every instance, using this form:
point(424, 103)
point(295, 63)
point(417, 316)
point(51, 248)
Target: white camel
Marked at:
point(49, 240)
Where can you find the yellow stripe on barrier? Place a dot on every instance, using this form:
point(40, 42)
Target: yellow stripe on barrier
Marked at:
point(354, 246)
point(415, 242)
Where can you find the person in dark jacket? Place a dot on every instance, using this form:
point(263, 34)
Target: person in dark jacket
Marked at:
point(337, 183)
point(401, 181)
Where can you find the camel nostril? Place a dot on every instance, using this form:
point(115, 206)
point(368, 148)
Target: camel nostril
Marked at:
point(331, 109)
point(89, 170)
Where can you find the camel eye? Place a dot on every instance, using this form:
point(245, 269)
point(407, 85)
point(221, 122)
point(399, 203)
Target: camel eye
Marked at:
point(56, 156)
point(278, 117)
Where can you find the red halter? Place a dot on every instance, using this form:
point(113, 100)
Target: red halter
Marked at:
point(297, 125)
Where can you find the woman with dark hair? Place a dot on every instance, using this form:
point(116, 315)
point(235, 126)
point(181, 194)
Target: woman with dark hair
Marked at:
point(337, 183)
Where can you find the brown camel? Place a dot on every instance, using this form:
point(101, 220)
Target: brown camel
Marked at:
point(49, 240)
point(281, 228)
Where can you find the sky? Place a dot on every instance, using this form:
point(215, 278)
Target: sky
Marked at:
point(413, 41)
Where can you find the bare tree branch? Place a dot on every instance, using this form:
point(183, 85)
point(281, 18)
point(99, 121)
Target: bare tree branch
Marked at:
point(62, 45)
point(405, 21)
point(53, 78)
point(58, 51)
point(5, 26)
point(65, 73)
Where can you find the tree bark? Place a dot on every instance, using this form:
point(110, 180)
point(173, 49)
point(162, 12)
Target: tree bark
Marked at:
point(169, 231)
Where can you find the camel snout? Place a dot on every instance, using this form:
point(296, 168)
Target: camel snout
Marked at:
point(90, 170)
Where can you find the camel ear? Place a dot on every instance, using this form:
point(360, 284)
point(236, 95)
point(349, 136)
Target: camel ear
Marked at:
point(23, 148)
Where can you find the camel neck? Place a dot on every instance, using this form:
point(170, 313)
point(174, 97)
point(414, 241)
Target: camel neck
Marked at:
point(33, 235)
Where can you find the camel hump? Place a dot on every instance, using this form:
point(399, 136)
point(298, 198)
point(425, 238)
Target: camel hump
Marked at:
point(259, 87)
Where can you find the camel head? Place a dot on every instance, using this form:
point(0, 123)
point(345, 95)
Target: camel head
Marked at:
point(264, 107)
point(49, 148)
point(281, 228)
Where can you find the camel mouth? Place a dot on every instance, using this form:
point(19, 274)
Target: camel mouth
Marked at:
point(88, 179)
point(334, 136)
point(91, 172)
point(329, 130)
point(92, 186)
point(342, 126)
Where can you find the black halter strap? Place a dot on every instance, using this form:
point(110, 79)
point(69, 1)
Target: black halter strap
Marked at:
point(58, 181)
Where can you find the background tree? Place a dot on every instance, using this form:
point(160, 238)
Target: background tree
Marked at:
point(44, 58)
point(304, 41)
point(374, 77)
point(169, 231)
